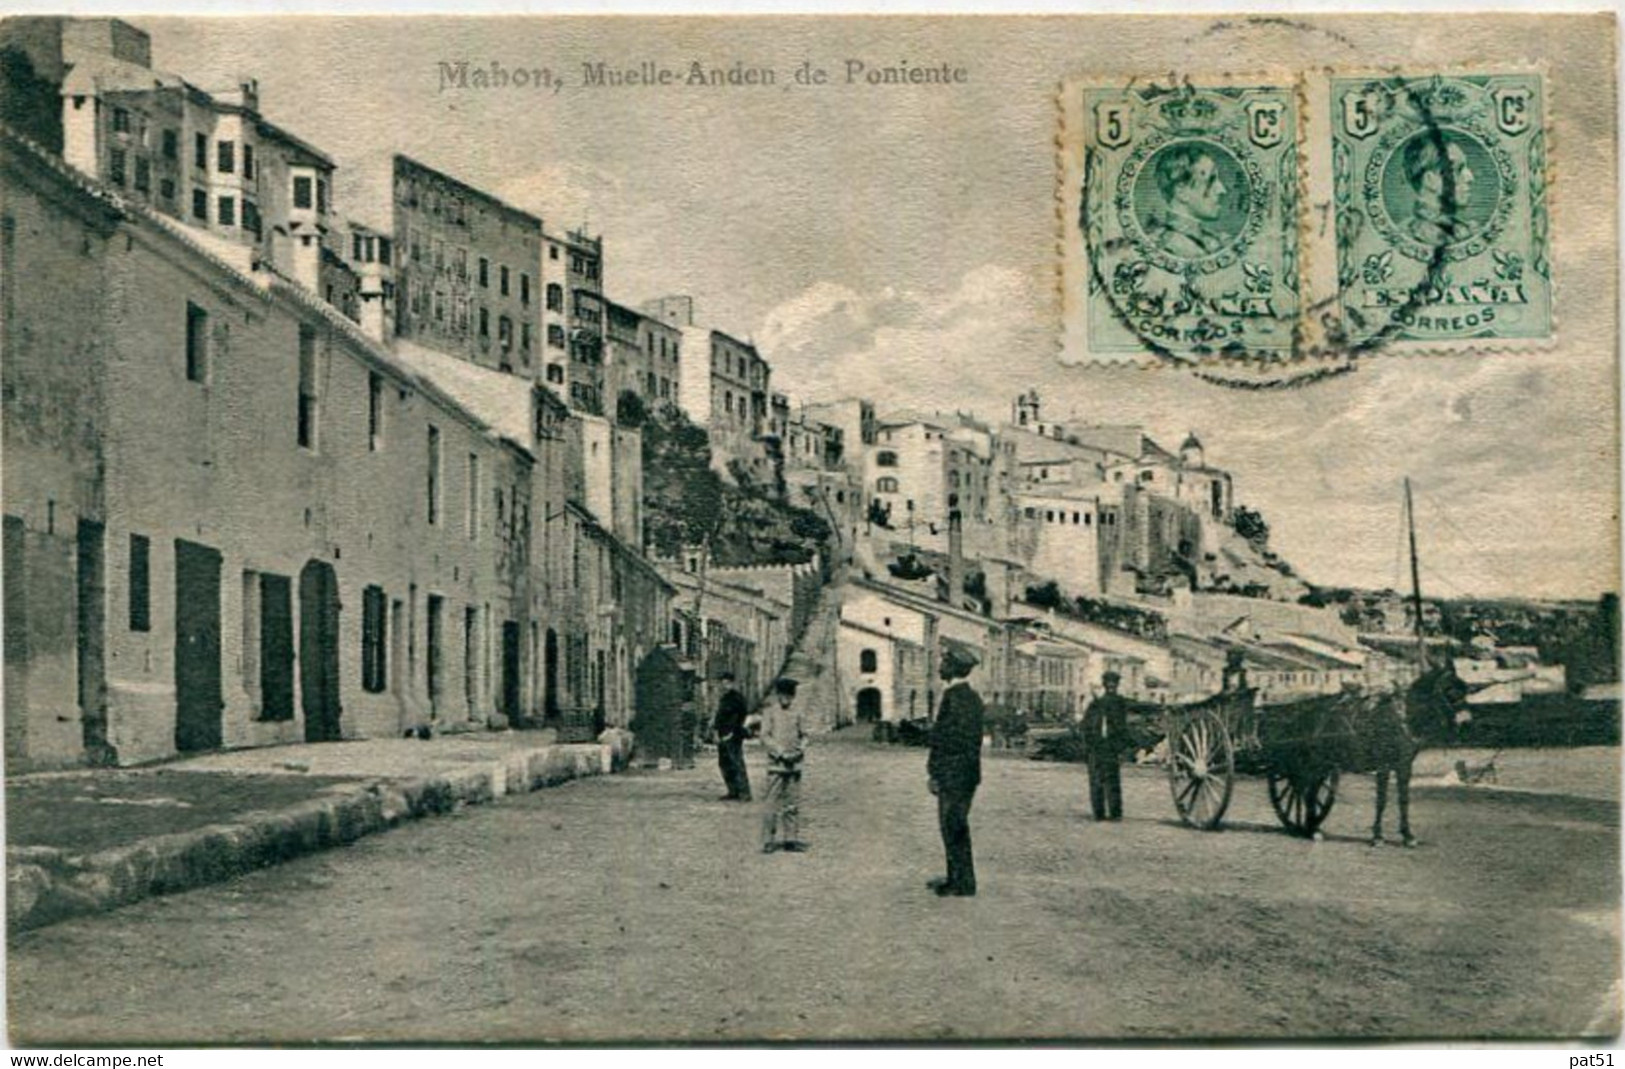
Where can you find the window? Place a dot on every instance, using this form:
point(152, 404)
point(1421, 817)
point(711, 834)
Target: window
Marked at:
point(307, 387)
point(166, 189)
point(555, 374)
point(200, 151)
point(375, 411)
point(374, 633)
point(301, 192)
point(555, 335)
point(248, 161)
point(887, 485)
point(197, 343)
point(171, 145)
point(143, 174)
point(321, 195)
point(434, 474)
point(121, 121)
point(885, 459)
point(115, 166)
point(200, 205)
point(227, 211)
point(552, 252)
point(505, 333)
point(485, 272)
point(503, 283)
point(485, 323)
point(383, 251)
point(524, 337)
point(555, 297)
point(225, 156)
point(140, 583)
point(524, 289)
point(868, 661)
point(473, 508)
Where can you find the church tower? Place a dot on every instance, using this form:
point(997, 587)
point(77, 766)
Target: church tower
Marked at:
point(1026, 412)
point(1190, 453)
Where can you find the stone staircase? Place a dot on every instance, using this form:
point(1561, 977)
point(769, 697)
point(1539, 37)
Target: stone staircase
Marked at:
point(812, 661)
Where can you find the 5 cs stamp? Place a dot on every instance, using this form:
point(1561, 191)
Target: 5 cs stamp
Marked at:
point(1442, 227)
point(1310, 215)
point(1189, 219)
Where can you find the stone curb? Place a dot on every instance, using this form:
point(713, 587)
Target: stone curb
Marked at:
point(45, 884)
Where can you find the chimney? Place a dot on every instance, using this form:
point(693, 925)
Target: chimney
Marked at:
point(956, 559)
point(998, 573)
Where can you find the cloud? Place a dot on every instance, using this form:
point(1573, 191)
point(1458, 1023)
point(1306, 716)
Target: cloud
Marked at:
point(905, 348)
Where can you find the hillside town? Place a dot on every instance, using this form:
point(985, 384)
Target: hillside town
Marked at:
point(282, 468)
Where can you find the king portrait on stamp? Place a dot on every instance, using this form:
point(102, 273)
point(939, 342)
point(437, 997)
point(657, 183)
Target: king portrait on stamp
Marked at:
point(1189, 218)
point(1441, 208)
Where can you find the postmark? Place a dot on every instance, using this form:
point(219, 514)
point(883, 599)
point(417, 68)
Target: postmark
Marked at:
point(1442, 231)
point(1188, 219)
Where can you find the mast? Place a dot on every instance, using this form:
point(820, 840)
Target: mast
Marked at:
point(1416, 576)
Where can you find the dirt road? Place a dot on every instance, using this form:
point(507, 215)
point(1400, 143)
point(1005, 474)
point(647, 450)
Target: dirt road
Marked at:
point(638, 907)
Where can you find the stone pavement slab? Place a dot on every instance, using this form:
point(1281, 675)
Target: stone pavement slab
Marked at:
point(208, 818)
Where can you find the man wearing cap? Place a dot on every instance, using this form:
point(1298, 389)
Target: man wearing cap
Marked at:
point(955, 769)
point(783, 734)
point(1105, 733)
point(731, 731)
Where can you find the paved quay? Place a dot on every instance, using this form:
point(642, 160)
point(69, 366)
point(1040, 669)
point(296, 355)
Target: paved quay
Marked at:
point(90, 840)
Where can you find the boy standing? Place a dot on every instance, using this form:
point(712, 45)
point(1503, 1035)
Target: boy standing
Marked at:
point(783, 734)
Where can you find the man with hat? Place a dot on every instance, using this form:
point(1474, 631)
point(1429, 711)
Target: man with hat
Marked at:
point(732, 712)
point(1105, 734)
point(955, 768)
point(784, 731)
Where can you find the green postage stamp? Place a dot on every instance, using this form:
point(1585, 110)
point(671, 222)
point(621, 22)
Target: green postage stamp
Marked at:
point(1440, 192)
point(1189, 219)
point(1306, 214)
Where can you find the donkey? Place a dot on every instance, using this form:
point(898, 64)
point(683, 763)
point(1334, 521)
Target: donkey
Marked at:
point(1391, 729)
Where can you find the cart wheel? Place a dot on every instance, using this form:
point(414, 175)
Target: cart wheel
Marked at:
point(1303, 800)
point(1201, 770)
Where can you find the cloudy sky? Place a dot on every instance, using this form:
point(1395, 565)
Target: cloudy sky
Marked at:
point(898, 242)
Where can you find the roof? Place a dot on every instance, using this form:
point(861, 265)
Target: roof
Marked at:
point(500, 400)
point(1127, 440)
point(878, 633)
point(1190, 442)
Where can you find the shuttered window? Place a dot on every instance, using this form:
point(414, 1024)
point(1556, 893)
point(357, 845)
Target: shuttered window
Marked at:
point(374, 644)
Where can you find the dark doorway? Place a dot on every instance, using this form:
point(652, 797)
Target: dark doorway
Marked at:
point(92, 641)
point(197, 647)
point(510, 670)
point(662, 686)
point(436, 657)
point(550, 693)
point(319, 651)
point(868, 705)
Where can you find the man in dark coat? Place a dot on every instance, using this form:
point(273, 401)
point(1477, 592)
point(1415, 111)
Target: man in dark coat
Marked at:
point(1105, 735)
point(731, 731)
point(955, 769)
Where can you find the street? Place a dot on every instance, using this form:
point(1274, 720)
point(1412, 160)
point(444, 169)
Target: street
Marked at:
point(638, 907)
